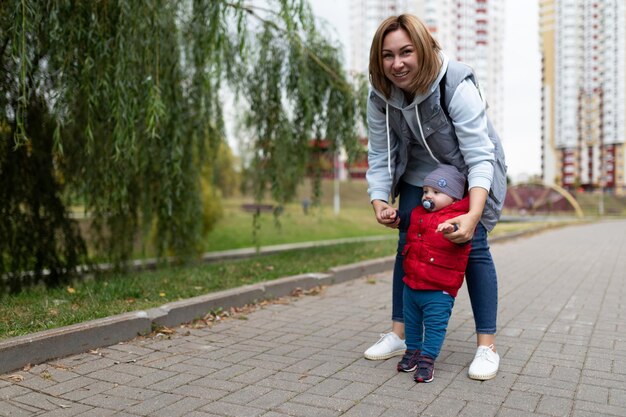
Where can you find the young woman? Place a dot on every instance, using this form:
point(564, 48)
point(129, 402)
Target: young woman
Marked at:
point(425, 109)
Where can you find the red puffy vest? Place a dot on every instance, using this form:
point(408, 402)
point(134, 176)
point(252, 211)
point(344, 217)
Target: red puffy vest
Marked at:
point(432, 262)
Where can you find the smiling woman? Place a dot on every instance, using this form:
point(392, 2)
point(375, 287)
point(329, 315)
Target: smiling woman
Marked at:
point(426, 109)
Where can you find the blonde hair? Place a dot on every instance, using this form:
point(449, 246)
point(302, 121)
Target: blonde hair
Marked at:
point(426, 47)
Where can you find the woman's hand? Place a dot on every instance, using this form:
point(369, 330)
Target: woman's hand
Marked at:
point(465, 226)
point(466, 223)
point(380, 206)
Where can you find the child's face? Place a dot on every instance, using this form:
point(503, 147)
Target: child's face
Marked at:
point(440, 199)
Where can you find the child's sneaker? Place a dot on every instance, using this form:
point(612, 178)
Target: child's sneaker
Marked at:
point(425, 369)
point(409, 361)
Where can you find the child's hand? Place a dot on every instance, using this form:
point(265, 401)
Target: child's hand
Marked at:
point(447, 228)
point(388, 214)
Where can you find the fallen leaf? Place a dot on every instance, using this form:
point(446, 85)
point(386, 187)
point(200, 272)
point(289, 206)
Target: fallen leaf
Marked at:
point(162, 294)
point(317, 290)
point(27, 367)
point(165, 330)
point(15, 378)
point(71, 290)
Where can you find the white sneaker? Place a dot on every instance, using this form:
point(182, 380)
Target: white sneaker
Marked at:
point(388, 345)
point(485, 364)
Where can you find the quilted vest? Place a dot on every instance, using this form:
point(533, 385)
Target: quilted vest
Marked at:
point(432, 262)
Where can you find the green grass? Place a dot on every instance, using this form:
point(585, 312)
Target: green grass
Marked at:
point(235, 230)
point(614, 206)
point(39, 309)
point(355, 219)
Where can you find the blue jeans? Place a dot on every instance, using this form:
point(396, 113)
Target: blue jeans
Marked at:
point(427, 314)
point(480, 275)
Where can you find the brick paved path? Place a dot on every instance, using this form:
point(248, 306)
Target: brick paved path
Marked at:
point(562, 338)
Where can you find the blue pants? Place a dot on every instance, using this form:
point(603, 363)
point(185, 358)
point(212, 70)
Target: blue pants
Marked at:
point(480, 275)
point(426, 315)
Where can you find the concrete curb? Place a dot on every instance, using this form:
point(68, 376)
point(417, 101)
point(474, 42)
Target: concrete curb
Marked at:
point(63, 341)
point(43, 346)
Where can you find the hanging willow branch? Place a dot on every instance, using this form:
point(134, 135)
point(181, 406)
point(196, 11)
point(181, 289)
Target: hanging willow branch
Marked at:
point(118, 105)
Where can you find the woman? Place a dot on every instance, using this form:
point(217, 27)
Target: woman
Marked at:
point(425, 109)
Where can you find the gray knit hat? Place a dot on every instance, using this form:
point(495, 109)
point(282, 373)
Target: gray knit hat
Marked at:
point(448, 180)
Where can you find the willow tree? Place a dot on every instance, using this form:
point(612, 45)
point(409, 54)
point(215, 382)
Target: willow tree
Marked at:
point(118, 105)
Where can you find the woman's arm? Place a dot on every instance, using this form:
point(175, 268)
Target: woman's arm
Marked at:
point(378, 178)
point(467, 222)
point(469, 117)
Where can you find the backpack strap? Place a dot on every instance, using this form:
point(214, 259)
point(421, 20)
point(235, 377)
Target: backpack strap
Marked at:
point(442, 95)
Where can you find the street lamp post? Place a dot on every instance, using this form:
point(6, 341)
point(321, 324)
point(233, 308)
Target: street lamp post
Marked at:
point(337, 198)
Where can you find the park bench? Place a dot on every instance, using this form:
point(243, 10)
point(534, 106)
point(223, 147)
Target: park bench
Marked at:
point(257, 208)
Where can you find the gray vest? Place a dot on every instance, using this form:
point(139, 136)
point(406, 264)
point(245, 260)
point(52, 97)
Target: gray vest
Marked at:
point(442, 140)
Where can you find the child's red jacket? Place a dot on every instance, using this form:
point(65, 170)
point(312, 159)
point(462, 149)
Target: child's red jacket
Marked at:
point(432, 262)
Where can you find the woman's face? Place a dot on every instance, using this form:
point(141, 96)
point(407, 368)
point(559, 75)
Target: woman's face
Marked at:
point(399, 59)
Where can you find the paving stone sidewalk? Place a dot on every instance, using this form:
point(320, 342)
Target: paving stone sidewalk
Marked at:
point(562, 339)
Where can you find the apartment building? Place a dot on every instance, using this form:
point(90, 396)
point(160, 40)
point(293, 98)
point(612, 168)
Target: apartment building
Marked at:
point(583, 93)
point(365, 16)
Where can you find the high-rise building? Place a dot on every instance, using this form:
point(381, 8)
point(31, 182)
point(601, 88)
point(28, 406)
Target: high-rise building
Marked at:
point(583, 111)
point(470, 31)
point(365, 16)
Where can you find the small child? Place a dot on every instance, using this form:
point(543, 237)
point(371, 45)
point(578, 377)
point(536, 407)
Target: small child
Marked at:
point(434, 268)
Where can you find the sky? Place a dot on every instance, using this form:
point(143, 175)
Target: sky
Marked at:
point(521, 132)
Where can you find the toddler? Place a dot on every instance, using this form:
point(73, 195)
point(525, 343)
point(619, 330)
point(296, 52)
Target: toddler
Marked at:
point(434, 268)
